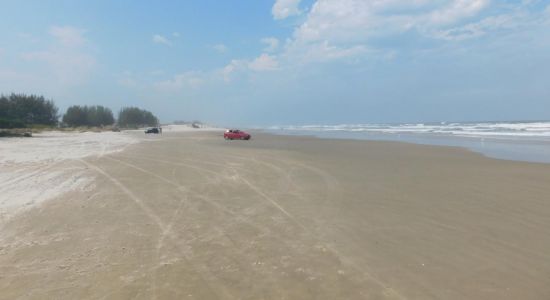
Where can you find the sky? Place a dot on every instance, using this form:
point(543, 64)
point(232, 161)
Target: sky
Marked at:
point(283, 62)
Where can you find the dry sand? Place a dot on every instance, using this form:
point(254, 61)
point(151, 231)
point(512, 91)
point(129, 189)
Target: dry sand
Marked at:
point(33, 170)
point(195, 217)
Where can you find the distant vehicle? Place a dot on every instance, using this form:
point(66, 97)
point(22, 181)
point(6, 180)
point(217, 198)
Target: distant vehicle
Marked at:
point(152, 130)
point(235, 134)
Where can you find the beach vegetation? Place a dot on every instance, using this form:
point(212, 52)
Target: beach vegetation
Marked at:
point(91, 116)
point(33, 112)
point(134, 117)
point(21, 110)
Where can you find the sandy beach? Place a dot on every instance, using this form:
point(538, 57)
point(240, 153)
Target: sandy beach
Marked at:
point(192, 216)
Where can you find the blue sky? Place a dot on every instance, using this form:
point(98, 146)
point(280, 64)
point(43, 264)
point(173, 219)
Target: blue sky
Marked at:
point(282, 62)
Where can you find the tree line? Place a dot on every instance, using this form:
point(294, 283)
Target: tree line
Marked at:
point(97, 116)
point(135, 117)
point(20, 111)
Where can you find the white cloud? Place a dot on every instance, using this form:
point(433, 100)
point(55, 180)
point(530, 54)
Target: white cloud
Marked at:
point(343, 28)
point(518, 18)
point(181, 81)
point(176, 34)
point(331, 19)
point(159, 39)
point(68, 60)
point(264, 62)
point(345, 21)
point(234, 66)
point(477, 29)
point(457, 10)
point(283, 9)
point(68, 36)
point(323, 52)
point(221, 48)
point(272, 44)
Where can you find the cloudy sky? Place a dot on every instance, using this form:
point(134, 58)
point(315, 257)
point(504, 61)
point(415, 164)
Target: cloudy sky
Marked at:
point(276, 62)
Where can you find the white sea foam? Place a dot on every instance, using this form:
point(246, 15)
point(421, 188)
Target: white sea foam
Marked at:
point(510, 129)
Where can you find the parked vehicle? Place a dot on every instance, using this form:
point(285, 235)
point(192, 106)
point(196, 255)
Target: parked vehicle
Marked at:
point(235, 134)
point(152, 130)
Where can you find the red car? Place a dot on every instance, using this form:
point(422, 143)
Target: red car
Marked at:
point(235, 134)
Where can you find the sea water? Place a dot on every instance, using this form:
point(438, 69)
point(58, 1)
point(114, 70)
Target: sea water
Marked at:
point(522, 141)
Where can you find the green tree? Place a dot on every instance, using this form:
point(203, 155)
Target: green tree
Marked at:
point(135, 117)
point(75, 116)
point(88, 116)
point(104, 116)
point(20, 110)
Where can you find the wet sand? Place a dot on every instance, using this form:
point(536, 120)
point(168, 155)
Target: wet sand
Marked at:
point(192, 216)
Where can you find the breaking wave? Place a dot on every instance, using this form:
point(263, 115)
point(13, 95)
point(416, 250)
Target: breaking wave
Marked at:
point(510, 129)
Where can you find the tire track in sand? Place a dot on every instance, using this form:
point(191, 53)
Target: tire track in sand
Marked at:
point(330, 183)
point(182, 188)
point(168, 231)
point(129, 193)
point(163, 227)
point(388, 291)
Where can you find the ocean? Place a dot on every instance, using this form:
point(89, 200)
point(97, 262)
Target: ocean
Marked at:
point(521, 141)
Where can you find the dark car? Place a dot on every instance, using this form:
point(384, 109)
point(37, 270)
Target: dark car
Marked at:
point(235, 134)
point(152, 130)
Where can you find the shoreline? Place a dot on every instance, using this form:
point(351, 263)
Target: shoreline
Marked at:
point(495, 147)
